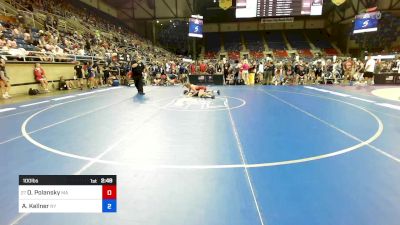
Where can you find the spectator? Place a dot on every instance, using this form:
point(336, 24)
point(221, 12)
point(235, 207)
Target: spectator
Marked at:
point(210, 69)
point(203, 67)
point(48, 22)
point(40, 76)
point(11, 43)
point(65, 84)
point(79, 74)
point(348, 69)
point(260, 72)
point(4, 80)
point(55, 22)
point(27, 37)
point(17, 32)
point(106, 74)
point(91, 75)
point(80, 51)
point(96, 70)
point(226, 69)
point(245, 71)
point(369, 70)
point(21, 18)
point(59, 54)
point(3, 42)
point(269, 72)
point(252, 74)
point(42, 39)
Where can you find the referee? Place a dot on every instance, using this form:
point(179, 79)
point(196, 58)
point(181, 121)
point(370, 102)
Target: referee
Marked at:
point(137, 76)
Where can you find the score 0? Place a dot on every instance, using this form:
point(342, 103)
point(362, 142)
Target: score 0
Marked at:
point(109, 198)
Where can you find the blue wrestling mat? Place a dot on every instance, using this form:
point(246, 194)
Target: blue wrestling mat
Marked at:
point(272, 155)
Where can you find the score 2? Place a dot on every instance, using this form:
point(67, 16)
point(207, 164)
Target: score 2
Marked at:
point(109, 198)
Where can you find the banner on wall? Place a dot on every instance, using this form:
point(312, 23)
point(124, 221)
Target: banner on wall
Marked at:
point(225, 4)
point(338, 2)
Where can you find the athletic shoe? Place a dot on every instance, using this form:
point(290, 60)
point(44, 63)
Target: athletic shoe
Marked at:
point(219, 93)
point(141, 93)
point(5, 96)
point(213, 97)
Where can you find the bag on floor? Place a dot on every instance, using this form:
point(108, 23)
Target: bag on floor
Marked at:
point(115, 83)
point(33, 91)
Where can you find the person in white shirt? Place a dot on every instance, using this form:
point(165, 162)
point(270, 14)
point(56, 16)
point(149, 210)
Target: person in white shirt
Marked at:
point(260, 72)
point(369, 70)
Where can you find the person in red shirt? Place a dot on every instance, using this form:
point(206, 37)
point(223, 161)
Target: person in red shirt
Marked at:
point(245, 71)
point(203, 67)
point(193, 68)
point(40, 76)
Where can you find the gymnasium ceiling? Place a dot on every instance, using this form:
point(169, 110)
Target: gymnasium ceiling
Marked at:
point(182, 9)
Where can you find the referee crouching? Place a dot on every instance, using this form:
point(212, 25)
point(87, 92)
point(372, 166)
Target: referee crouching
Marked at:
point(137, 74)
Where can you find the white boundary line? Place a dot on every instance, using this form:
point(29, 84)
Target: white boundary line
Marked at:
point(22, 216)
point(62, 98)
point(7, 109)
point(86, 93)
point(19, 113)
point(377, 134)
point(115, 144)
point(19, 218)
point(362, 99)
point(386, 114)
point(32, 104)
point(80, 171)
point(344, 132)
point(222, 166)
point(54, 124)
point(51, 106)
point(27, 134)
point(387, 105)
point(397, 107)
point(244, 162)
point(339, 94)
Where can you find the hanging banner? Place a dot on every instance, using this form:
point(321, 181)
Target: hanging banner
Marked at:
point(225, 4)
point(338, 2)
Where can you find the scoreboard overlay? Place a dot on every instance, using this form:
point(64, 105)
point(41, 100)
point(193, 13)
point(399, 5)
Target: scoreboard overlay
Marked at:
point(67, 193)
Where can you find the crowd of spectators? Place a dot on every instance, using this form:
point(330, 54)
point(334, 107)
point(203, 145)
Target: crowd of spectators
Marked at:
point(321, 70)
point(100, 38)
point(97, 45)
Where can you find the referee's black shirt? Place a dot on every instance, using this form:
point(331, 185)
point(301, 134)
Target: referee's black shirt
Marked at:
point(137, 71)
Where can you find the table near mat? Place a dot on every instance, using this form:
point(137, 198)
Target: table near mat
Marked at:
point(387, 78)
point(215, 79)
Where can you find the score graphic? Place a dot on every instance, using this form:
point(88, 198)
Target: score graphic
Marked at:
point(67, 193)
point(367, 22)
point(196, 26)
point(276, 8)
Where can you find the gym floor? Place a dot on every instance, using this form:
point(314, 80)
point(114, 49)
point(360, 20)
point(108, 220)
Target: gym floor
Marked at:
point(276, 155)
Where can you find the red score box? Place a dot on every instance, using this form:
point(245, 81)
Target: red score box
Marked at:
point(109, 192)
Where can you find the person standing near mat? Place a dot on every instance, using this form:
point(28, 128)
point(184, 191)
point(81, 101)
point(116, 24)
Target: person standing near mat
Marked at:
point(369, 70)
point(137, 74)
point(4, 80)
point(79, 74)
